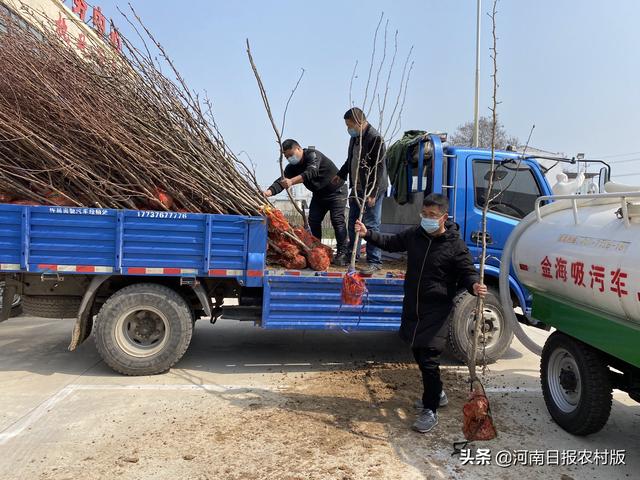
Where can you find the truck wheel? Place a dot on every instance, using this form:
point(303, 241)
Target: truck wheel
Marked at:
point(51, 306)
point(143, 329)
point(497, 331)
point(576, 384)
point(16, 304)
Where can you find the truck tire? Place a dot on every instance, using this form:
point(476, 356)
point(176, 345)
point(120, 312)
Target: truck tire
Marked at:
point(16, 304)
point(143, 329)
point(51, 306)
point(498, 332)
point(576, 384)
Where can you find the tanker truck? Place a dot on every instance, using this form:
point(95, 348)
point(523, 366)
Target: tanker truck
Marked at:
point(580, 258)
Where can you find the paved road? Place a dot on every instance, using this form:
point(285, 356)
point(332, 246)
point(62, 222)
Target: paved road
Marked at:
point(59, 407)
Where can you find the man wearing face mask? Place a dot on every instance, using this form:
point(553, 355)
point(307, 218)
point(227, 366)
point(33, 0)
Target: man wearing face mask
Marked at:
point(367, 173)
point(438, 266)
point(316, 171)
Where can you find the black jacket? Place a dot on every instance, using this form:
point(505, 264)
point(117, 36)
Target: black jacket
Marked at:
point(317, 171)
point(373, 150)
point(437, 268)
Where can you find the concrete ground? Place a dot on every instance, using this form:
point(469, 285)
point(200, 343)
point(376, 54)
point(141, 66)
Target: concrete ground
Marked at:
point(247, 403)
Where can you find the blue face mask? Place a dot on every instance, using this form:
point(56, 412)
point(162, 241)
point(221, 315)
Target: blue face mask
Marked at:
point(294, 159)
point(353, 132)
point(430, 225)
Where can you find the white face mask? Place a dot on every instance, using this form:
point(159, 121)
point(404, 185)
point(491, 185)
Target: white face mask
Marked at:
point(294, 159)
point(430, 225)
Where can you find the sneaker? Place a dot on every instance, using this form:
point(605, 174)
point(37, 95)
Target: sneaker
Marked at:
point(444, 401)
point(426, 421)
point(340, 260)
point(370, 269)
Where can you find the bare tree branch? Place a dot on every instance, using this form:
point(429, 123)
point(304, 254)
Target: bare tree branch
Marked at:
point(265, 101)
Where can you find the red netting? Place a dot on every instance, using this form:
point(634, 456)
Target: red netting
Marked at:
point(163, 198)
point(306, 237)
point(323, 253)
point(277, 223)
point(353, 289)
point(289, 250)
point(319, 259)
point(295, 248)
point(296, 263)
point(478, 424)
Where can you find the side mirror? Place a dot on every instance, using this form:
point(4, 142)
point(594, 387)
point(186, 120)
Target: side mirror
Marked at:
point(603, 178)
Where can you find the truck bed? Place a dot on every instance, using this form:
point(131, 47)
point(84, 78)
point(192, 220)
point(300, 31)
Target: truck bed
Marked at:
point(131, 242)
point(73, 240)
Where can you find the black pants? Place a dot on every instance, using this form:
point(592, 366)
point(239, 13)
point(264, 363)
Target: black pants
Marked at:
point(428, 360)
point(335, 203)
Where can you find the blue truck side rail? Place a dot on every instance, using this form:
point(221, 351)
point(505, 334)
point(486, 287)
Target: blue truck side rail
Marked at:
point(73, 240)
point(312, 300)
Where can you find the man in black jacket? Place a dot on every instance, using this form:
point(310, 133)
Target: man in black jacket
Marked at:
point(438, 265)
point(367, 172)
point(316, 171)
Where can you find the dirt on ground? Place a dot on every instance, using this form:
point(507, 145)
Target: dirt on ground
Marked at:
point(352, 424)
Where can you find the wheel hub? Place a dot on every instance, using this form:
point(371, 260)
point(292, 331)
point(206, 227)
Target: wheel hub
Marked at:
point(491, 327)
point(142, 332)
point(563, 378)
point(568, 380)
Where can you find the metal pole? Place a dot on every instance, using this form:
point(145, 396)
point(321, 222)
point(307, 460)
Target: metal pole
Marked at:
point(476, 119)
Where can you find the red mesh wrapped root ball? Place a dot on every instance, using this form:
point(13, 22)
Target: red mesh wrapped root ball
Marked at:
point(318, 258)
point(353, 289)
point(478, 423)
point(277, 222)
point(163, 198)
point(308, 239)
point(296, 263)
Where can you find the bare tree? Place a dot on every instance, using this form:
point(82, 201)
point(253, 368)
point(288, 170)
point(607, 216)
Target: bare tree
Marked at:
point(276, 130)
point(383, 104)
point(463, 136)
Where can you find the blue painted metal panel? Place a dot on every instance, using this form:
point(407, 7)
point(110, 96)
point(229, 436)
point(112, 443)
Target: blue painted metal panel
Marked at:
point(257, 248)
point(59, 237)
point(228, 242)
point(299, 302)
point(163, 240)
point(42, 238)
point(10, 235)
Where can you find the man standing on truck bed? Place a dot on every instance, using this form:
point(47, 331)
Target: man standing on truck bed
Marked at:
point(367, 173)
point(316, 171)
point(438, 265)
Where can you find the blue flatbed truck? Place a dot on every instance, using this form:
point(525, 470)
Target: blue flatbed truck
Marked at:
point(139, 279)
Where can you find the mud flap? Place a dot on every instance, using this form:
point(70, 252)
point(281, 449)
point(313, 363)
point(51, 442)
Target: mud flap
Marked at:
point(83, 324)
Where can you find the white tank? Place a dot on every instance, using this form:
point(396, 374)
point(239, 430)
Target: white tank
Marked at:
point(587, 254)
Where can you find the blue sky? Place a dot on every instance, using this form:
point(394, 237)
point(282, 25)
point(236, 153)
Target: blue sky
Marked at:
point(570, 68)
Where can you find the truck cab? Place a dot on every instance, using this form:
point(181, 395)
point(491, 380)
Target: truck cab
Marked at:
point(462, 173)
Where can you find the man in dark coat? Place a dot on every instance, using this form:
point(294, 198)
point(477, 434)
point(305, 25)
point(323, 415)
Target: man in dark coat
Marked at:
point(438, 266)
point(367, 172)
point(316, 171)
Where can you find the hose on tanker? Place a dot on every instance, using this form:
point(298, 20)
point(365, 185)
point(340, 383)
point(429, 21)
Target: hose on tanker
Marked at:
point(505, 296)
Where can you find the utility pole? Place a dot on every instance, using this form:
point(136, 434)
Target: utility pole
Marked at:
point(476, 119)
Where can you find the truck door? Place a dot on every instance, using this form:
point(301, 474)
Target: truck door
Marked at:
point(515, 190)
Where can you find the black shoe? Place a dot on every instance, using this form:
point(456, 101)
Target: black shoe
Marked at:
point(370, 269)
point(340, 260)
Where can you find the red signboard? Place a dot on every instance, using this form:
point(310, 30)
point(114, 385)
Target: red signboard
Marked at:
point(98, 20)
